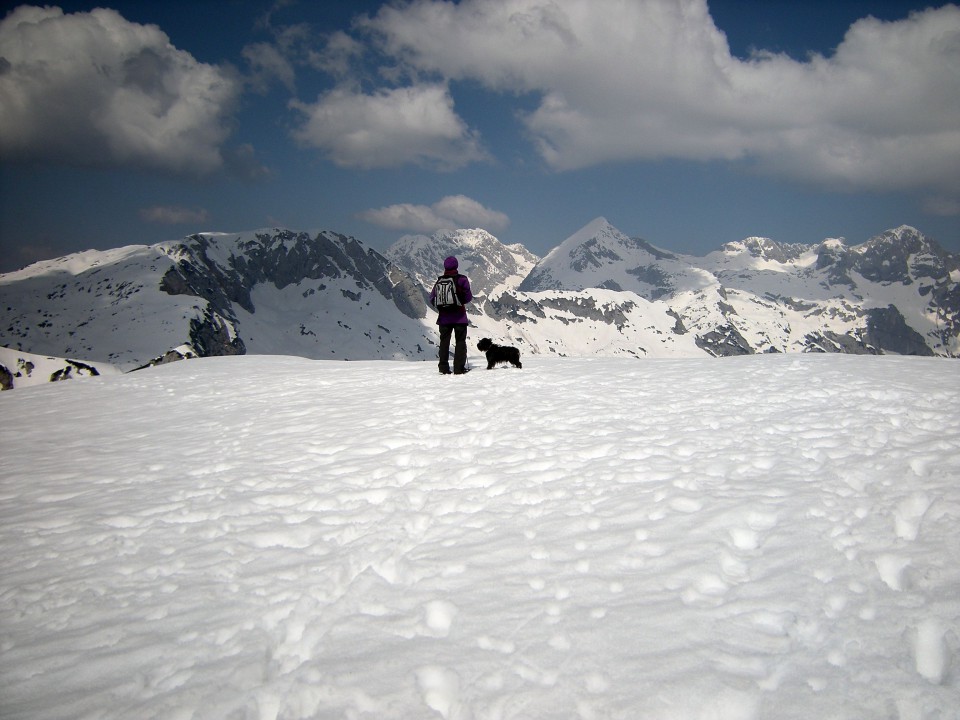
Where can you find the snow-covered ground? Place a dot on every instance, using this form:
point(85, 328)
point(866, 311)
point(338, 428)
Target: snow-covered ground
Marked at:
point(27, 369)
point(273, 537)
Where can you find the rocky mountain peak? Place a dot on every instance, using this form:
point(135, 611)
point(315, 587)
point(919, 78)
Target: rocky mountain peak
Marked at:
point(597, 228)
point(491, 265)
point(600, 256)
point(767, 249)
point(903, 254)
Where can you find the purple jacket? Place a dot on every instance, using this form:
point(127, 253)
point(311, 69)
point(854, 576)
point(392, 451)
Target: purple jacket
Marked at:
point(457, 316)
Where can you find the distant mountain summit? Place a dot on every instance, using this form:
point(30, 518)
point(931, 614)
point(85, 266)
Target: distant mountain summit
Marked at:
point(327, 296)
point(598, 256)
point(766, 249)
point(902, 255)
point(492, 266)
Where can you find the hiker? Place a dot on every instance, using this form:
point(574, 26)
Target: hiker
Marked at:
point(449, 296)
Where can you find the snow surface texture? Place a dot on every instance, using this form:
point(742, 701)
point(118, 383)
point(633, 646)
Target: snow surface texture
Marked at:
point(272, 537)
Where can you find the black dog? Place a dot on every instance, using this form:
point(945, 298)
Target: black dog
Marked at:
point(499, 353)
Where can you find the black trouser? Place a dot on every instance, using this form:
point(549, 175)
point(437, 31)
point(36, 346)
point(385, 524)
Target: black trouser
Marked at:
point(459, 351)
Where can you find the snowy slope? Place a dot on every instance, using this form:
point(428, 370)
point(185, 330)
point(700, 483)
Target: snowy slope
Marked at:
point(100, 306)
point(596, 322)
point(20, 369)
point(320, 295)
point(760, 538)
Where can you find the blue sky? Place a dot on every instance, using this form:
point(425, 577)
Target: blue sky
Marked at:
point(684, 122)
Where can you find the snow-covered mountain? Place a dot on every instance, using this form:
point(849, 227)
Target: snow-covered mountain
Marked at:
point(599, 256)
point(265, 292)
point(897, 293)
point(491, 266)
point(326, 296)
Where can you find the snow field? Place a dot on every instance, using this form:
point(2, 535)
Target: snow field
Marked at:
point(27, 369)
point(271, 537)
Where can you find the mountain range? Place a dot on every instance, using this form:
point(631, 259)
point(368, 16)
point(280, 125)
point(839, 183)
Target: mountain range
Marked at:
point(599, 292)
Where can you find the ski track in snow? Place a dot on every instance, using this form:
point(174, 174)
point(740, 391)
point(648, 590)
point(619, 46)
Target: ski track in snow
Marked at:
point(269, 537)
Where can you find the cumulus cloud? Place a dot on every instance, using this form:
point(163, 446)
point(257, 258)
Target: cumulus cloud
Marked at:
point(174, 215)
point(449, 213)
point(388, 128)
point(621, 80)
point(93, 89)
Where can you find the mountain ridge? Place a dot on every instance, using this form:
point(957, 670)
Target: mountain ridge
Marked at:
point(599, 292)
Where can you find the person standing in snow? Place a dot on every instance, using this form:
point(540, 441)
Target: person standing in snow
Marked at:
point(452, 316)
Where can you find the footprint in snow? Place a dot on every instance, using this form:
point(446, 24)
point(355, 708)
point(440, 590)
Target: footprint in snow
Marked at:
point(686, 504)
point(748, 533)
point(908, 515)
point(439, 616)
point(891, 569)
point(708, 589)
point(505, 647)
point(440, 688)
point(930, 652)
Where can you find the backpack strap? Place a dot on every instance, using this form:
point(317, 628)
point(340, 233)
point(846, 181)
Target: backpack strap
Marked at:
point(457, 289)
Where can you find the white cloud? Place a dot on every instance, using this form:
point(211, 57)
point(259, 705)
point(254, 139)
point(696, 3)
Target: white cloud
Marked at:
point(467, 212)
point(95, 89)
point(296, 46)
point(337, 55)
point(267, 63)
point(404, 216)
point(414, 124)
point(449, 213)
point(174, 215)
point(622, 80)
